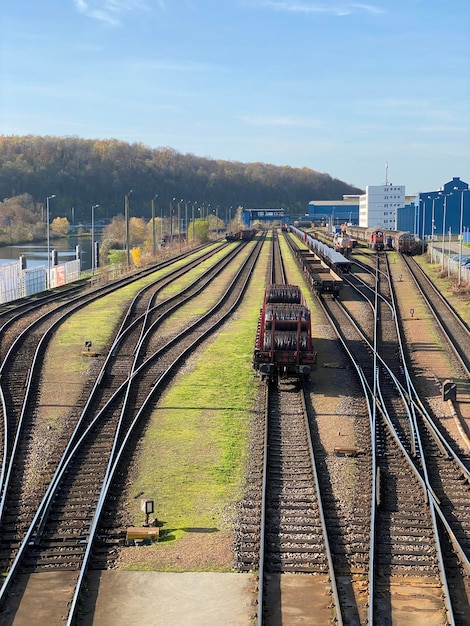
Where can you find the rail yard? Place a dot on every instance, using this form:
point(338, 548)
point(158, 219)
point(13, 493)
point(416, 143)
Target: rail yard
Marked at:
point(355, 504)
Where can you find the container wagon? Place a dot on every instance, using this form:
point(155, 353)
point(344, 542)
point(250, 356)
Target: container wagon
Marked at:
point(283, 346)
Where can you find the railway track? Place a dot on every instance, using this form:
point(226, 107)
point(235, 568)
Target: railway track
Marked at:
point(409, 516)
point(282, 530)
point(407, 467)
point(63, 530)
point(454, 329)
point(415, 498)
point(20, 390)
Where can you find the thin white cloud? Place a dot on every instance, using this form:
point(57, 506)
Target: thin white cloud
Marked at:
point(111, 11)
point(335, 8)
point(281, 121)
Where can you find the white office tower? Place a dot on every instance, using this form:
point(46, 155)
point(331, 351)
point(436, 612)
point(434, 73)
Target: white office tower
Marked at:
point(379, 205)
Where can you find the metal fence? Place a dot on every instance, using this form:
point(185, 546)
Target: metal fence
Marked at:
point(18, 282)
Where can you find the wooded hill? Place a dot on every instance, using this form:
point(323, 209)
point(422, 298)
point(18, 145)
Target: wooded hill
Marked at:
point(86, 172)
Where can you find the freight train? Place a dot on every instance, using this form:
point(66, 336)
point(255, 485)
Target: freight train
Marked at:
point(283, 346)
point(321, 277)
point(330, 256)
point(399, 240)
point(241, 235)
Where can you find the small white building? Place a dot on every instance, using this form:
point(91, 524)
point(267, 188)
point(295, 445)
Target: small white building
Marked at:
point(379, 205)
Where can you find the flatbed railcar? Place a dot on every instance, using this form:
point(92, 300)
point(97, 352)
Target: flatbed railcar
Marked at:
point(330, 256)
point(283, 346)
point(319, 275)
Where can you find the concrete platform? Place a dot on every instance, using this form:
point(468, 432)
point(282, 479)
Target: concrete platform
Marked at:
point(123, 598)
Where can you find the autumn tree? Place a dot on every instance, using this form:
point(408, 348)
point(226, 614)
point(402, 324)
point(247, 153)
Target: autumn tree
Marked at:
point(20, 220)
point(137, 230)
point(82, 172)
point(199, 229)
point(136, 256)
point(60, 226)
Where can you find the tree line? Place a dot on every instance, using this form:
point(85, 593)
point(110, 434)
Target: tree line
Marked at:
point(82, 173)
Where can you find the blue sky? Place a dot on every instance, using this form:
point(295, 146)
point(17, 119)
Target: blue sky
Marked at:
point(340, 87)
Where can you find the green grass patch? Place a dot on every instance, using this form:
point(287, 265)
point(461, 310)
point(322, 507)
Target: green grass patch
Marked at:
point(96, 322)
point(193, 455)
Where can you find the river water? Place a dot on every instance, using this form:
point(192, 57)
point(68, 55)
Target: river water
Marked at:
point(36, 253)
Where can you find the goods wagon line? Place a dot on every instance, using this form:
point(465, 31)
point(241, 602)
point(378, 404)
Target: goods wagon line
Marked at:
point(282, 528)
point(321, 277)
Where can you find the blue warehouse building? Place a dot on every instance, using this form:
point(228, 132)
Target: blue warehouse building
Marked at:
point(335, 211)
point(261, 214)
point(445, 211)
point(433, 212)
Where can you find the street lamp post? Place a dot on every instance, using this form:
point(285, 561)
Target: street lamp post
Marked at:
point(424, 220)
point(192, 219)
point(126, 210)
point(154, 235)
point(461, 234)
point(186, 220)
point(443, 231)
point(179, 223)
point(93, 207)
point(171, 220)
point(48, 241)
point(433, 226)
point(448, 257)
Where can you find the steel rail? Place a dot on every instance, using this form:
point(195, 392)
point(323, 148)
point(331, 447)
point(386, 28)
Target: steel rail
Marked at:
point(378, 404)
point(428, 490)
point(459, 351)
point(414, 401)
point(34, 531)
point(79, 423)
point(118, 453)
point(412, 398)
point(8, 457)
point(371, 409)
point(331, 569)
point(262, 548)
point(123, 389)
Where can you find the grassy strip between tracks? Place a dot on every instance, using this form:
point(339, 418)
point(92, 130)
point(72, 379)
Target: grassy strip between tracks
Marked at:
point(65, 364)
point(192, 459)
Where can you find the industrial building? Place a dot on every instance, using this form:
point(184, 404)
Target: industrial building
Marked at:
point(387, 206)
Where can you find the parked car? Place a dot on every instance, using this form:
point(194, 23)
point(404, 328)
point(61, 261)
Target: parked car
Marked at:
point(465, 258)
